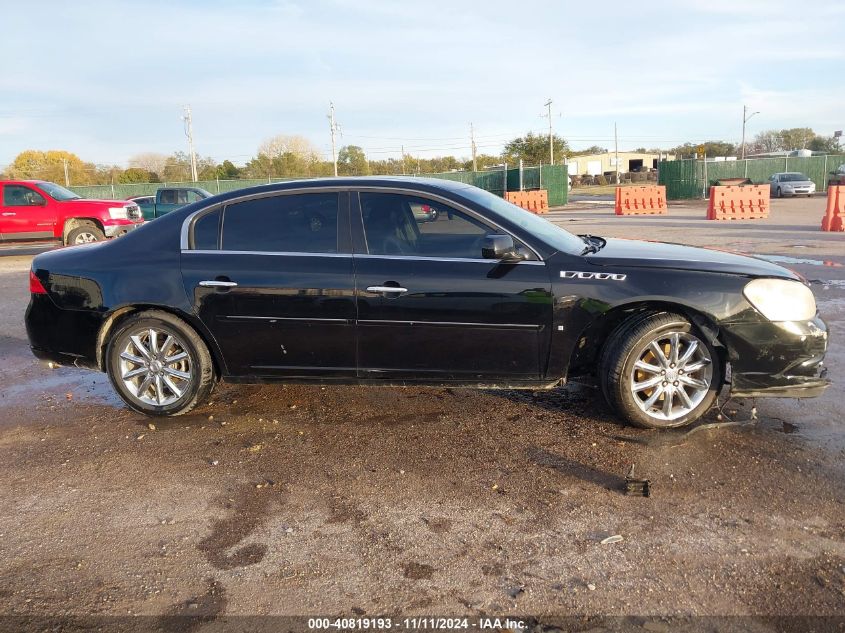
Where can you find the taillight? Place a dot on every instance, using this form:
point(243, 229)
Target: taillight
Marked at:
point(35, 285)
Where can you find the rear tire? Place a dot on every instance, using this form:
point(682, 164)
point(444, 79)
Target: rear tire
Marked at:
point(658, 371)
point(158, 364)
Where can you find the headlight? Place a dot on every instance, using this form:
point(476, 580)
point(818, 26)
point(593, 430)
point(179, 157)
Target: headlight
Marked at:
point(118, 213)
point(781, 299)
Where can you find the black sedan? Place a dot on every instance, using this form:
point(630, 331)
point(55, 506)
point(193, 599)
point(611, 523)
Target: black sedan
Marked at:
point(338, 281)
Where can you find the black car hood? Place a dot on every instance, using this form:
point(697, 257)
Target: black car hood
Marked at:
point(640, 254)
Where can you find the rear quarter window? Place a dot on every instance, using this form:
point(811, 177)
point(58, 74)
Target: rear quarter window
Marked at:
point(207, 231)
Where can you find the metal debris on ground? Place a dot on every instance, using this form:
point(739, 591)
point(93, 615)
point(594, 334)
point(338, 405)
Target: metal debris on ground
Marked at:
point(637, 487)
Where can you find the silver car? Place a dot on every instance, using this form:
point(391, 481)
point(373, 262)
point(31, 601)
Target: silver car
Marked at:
point(791, 183)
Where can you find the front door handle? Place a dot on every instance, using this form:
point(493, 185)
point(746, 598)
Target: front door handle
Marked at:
point(216, 283)
point(386, 289)
point(8, 213)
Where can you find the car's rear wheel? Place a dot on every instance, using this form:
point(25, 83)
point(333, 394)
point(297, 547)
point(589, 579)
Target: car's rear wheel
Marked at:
point(658, 371)
point(84, 234)
point(158, 364)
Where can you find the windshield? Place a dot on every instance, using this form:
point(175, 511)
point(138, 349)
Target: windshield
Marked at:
point(56, 192)
point(533, 224)
point(793, 178)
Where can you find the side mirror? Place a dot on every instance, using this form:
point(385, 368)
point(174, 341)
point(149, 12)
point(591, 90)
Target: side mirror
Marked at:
point(499, 247)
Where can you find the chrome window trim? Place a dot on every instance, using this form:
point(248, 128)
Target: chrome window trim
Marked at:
point(189, 251)
point(274, 253)
point(422, 258)
point(186, 224)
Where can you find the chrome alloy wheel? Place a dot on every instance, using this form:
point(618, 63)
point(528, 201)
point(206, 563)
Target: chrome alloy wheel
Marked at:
point(85, 238)
point(155, 367)
point(672, 375)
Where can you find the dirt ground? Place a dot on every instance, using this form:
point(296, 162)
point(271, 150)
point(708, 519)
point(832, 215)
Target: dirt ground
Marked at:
point(347, 501)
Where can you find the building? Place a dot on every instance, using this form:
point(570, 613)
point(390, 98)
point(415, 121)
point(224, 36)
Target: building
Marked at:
point(605, 163)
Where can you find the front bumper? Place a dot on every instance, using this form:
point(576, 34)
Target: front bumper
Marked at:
point(116, 230)
point(777, 359)
point(798, 192)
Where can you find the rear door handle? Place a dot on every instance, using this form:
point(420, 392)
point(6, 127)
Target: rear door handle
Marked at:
point(214, 283)
point(386, 289)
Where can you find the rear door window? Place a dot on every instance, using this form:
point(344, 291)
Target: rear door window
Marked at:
point(294, 223)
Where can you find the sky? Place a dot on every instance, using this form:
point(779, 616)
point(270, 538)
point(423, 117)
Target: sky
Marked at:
point(109, 79)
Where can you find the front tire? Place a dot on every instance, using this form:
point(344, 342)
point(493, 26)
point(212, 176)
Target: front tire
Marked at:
point(159, 365)
point(658, 371)
point(779, 193)
point(85, 233)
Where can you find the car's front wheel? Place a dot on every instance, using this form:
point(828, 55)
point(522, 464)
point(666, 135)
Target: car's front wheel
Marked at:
point(658, 371)
point(158, 364)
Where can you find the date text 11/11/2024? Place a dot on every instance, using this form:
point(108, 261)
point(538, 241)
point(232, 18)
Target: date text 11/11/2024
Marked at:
point(415, 623)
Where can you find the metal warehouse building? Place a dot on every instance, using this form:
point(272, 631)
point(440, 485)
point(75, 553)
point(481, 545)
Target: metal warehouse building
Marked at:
point(595, 164)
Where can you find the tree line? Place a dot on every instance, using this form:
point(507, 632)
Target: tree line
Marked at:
point(285, 156)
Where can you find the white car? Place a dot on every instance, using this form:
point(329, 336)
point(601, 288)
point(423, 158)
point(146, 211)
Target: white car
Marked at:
point(791, 184)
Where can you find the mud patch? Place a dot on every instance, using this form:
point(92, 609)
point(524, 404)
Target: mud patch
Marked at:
point(248, 510)
point(418, 571)
point(196, 611)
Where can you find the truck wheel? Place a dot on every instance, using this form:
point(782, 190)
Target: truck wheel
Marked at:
point(158, 364)
point(658, 371)
point(85, 233)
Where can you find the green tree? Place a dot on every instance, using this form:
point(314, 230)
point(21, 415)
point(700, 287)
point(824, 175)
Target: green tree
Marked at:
point(136, 174)
point(533, 149)
point(352, 161)
point(796, 138)
point(825, 144)
point(227, 171)
point(710, 148)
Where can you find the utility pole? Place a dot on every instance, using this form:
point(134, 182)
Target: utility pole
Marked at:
point(189, 132)
point(334, 127)
point(745, 118)
point(548, 105)
point(473, 147)
point(616, 151)
point(67, 179)
point(403, 159)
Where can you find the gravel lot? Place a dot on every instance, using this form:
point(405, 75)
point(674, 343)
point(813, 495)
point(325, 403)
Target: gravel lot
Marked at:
point(291, 500)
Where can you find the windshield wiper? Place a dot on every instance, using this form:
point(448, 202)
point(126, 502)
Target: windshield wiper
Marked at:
point(593, 243)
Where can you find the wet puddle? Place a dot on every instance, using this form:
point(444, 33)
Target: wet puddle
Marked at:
point(60, 385)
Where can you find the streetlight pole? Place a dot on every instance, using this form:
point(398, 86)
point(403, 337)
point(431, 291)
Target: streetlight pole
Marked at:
point(745, 118)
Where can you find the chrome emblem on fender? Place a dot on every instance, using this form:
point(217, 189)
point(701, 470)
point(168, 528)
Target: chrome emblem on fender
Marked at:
point(574, 274)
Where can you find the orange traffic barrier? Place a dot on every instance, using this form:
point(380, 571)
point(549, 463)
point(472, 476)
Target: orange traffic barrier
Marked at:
point(743, 202)
point(833, 217)
point(647, 200)
point(535, 201)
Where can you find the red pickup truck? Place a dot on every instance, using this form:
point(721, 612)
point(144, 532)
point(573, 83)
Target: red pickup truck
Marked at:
point(38, 210)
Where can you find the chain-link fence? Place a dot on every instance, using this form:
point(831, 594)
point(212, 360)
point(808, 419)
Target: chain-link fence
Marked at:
point(551, 177)
point(691, 178)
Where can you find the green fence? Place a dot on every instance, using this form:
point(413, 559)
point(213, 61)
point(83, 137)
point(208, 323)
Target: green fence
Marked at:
point(685, 179)
point(551, 177)
point(554, 178)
